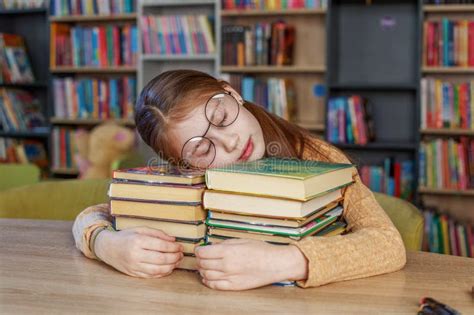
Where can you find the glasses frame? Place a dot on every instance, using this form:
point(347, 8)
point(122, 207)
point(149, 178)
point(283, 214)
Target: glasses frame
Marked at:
point(211, 124)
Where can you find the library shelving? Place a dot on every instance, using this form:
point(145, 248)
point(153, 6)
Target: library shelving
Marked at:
point(373, 50)
point(307, 70)
point(32, 25)
point(191, 55)
point(112, 68)
point(455, 202)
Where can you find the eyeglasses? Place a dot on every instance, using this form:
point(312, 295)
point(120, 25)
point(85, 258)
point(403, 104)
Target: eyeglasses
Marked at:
point(221, 110)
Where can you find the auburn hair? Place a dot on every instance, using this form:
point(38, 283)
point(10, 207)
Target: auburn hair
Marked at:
point(172, 95)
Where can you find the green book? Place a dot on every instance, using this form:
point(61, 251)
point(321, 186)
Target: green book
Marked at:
point(276, 177)
point(298, 232)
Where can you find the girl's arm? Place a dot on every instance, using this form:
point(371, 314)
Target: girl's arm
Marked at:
point(373, 246)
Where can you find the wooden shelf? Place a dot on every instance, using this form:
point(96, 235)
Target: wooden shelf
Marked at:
point(119, 69)
point(89, 121)
point(312, 126)
point(443, 191)
point(448, 70)
point(23, 11)
point(24, 134)
point(93, 18)
point(273, 69)
point(378, 146)
point(369, 86)
point(253, 12)
point(461, 8)
point(65, 171)
point(156, 57)
point(33, 85)
point(447, 132)
point(174, 3)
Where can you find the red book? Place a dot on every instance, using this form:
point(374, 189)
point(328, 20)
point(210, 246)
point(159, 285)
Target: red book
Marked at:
point(116, 44)
point(62, 147)
point(429, 43)
point(102, 47)
point(470, 44)
point(397, 177)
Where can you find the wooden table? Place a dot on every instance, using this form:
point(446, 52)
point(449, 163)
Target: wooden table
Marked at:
point(42, 272)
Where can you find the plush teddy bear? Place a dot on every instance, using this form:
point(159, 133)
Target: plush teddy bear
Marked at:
point(97, 149)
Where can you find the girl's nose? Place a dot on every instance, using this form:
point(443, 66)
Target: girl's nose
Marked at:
point(228, 140)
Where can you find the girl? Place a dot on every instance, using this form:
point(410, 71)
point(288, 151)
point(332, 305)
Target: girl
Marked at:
point(189, 115)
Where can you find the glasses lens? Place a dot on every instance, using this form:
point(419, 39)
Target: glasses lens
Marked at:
point(198, 152)
point(222, 110)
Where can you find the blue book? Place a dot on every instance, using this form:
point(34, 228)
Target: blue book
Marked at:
point(182, 40)
point(422, 164)
point(349, 131)
point(95, 47)
point(248, 86)
point(82, 111)
point(445, 23)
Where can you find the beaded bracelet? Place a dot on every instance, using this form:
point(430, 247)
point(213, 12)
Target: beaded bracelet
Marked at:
point(94, 237)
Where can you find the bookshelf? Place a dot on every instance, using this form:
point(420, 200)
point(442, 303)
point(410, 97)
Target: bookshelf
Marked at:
point(384, 74)
point(32, 25)
point(308, 69)
point(102, 70)
point(152, 64)
point(455, 202)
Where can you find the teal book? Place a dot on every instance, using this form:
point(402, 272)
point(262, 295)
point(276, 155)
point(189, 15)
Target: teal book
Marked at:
point(277, 177)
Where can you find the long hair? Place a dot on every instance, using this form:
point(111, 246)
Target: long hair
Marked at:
point(172, 95)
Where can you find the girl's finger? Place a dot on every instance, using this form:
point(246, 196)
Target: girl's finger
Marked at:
point(160, 245)
point(159, 258)
point(212, 275)
point(217, 284)
point(155, 270)
point(210, 264)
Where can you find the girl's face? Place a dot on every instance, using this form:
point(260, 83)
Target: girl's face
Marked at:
point(240, 140)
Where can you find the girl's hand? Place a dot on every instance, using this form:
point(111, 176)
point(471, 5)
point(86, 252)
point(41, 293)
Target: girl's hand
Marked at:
point(140, 252)
point(241, 264)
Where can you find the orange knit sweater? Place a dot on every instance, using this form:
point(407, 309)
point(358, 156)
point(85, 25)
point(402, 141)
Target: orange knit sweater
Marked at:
point(373, 245)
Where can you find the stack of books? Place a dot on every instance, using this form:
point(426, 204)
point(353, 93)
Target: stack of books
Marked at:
point(161, 197)
point(275, 200)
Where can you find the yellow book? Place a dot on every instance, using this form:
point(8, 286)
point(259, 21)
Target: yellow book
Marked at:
point(177, 229)
point(158, 210)
point(445, 232)
point(188, 263)
point(154, 192)
point(288, 222)
point(277, 177)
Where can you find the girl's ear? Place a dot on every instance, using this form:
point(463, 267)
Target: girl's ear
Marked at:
point(234, 93)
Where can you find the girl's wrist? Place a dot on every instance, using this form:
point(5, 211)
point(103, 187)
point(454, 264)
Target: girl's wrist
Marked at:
point(295, 264)
point(99, 235)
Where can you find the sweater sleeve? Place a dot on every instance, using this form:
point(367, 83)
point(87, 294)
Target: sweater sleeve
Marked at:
point(86, 223)
point(373, 245)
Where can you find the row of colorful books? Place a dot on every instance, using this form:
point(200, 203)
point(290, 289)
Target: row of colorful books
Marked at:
point(15, 66)
point(446, 104)
point(449, 43)
point(20, 111)
point(394, 178)
point(447, 163)
point(240, 200)
point(259, 44)
point(94, 98)
point(63, 148)
point(442, 234)
point(22, 4)
point(349, 120)
point(91, 7)
point(443, 2)
point(23, 152)
point(177, 34)
point(93, 46)
point(273, 4)
point(277, 95)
